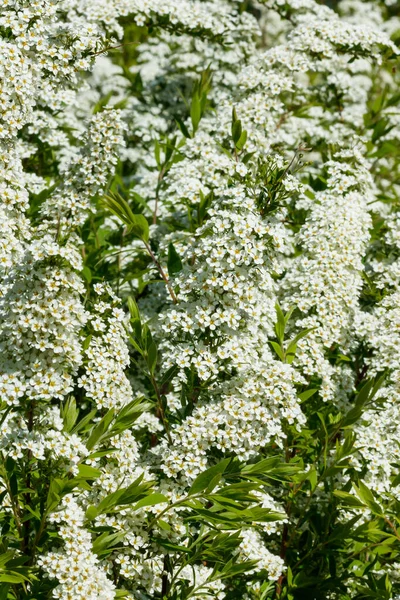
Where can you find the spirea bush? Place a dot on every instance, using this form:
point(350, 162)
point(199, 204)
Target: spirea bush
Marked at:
point(199, 300)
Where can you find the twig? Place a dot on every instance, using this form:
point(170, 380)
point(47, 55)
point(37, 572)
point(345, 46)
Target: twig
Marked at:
point(160, 408)
point(162, 273)
point(114, 48)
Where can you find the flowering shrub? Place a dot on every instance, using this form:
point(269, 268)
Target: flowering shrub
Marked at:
point(199, 300)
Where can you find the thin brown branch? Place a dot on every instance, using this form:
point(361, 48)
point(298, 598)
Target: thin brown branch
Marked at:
point(114, 48)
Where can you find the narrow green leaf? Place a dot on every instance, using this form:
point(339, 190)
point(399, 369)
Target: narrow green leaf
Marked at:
point(303, 396)
point(182, 127)
point(203, 480)
point(279, 350)
point(348, 499)
point(133, 308)
point(242, 140)
point(236, 131)
point(151, 500)
point(152, 357)
point(88, 472)
point(99, 430)
point(195, 112)
point(367, 497)
point(174, 262)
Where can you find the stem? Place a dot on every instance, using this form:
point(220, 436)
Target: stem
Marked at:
point(161, 409)
point(119, 259)
point(173, 505)
point(38, 536)
point(162, 273)
point(14, 505)
point(159, 180)
point(114, 48)
point(393, 527)
point(285, 531)
point(164, 581)
point(27, 495)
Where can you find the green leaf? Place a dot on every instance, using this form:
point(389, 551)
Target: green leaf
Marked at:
point(292, 347)
point(231, 570)
point(85, 421)
point(273, 468)
point(69, 414)
point(127, 416)
point(247, 157)
point(88, 472)
point(151, 500)
point(140, 227)
point(365, 395)
point(203, 480)
point(6, 557)
point(122, 594)
point(100, 429)
point(134, 492)
point(169, 375)
point(91, 513)
point(54, 494)
point(133, 308)
point(164, 525)
point(242, 140)
point(174, 262)
point(104, 544)
point(348, 499)
point(236, 131)
point(303, 396)
point(152, 357)
point(195, 112)
point(12, 577)
point(124, 495)
point(279, 350)
point(367, 497)
point(172, 547)
point(4, 589)
point(182, 127)
point(136, 223)
point(87, 274)
point(313, 478)
point(280, 324)
point(204, 205)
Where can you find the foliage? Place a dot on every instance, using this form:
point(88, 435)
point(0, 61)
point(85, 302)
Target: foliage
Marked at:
point(200, 305)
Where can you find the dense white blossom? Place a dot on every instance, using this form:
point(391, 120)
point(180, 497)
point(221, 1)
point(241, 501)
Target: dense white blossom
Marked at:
point(258, 141)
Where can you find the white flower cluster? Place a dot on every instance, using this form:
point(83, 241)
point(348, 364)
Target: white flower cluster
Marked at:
point(76, 567)
point(47, 439)
point(104, 379)
point(86, 174)
point(324, 282)
point(252, 548)
point(41, 316)
point(225, 315)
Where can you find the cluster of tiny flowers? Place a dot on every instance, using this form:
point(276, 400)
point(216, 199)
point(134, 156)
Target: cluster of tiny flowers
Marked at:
point(41, 317)
point(76, 567)
point(107, 357)
point(324, 282)
point(47, 439)
point(224, 315)
point(85, 174)
point(214, 17)
point(379, 330)
point(252, 548)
